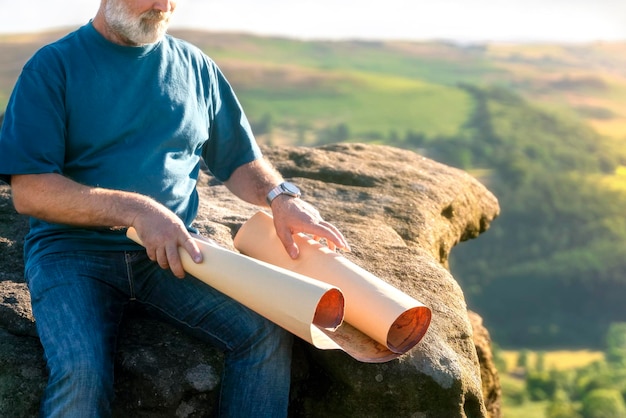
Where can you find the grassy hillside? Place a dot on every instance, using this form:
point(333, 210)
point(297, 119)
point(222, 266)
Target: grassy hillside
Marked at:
point(589, 80)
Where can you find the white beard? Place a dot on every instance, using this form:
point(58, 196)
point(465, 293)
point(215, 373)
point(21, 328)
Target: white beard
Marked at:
point(147, 28)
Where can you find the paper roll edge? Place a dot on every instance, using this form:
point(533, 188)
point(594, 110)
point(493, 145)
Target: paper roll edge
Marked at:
point(408, 329)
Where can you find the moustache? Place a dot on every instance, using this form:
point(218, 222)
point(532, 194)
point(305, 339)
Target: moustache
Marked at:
point(156, 16)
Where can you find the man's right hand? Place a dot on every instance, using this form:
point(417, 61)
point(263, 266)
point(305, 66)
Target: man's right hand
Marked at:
point(162, 233)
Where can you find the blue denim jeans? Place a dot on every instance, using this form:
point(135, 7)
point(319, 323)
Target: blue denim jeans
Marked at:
point(78, 300)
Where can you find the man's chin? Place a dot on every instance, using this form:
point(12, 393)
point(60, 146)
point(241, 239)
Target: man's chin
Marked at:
point(150, 38)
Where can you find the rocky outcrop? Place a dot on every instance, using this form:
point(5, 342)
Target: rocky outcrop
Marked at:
point(492, 391)
point(402, 214)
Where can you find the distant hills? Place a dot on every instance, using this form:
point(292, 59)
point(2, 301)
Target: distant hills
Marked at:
point(379, 89)
point(544, 126)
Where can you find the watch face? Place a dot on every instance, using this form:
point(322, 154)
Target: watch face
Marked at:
point(291, 188)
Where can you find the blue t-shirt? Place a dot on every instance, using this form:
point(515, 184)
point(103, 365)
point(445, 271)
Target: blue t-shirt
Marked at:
point(128, 118)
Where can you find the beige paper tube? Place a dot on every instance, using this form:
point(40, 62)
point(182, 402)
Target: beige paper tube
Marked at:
point(306, 307)
point(381, 322)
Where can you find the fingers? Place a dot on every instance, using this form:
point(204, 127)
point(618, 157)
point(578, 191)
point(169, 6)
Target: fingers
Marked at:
point(295, 215)
point(286, 237)
point(327, 231)
point(174, 262)
point(161, 258)
point(337, 240)
point(167, 255)
point(318, 231)
point(193, 250)
point(331, 245)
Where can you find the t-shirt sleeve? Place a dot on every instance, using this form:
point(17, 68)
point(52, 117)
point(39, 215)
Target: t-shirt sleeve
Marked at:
point(231, 142)
point(33, 130)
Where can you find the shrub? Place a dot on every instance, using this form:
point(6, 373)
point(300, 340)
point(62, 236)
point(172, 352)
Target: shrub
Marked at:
point(603, 403)
point(540, 386)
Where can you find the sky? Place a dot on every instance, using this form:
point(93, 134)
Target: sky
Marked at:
point(452, 20)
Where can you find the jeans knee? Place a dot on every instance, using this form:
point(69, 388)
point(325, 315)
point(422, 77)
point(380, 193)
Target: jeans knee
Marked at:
point(267, 340)
point(81, 381)
point(78, 389)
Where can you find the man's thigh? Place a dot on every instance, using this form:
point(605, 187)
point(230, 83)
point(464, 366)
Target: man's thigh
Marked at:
point(207, 312)
point(78, 300)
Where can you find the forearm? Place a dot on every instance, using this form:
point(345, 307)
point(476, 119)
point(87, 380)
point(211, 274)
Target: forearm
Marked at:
point(251, 182)
point(55, 198)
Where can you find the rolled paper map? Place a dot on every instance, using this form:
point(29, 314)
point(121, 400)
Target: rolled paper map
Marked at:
point(380, 323)
point(306, 307)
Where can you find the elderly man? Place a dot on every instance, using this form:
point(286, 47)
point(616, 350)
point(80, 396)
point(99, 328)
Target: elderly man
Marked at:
point(105, 130)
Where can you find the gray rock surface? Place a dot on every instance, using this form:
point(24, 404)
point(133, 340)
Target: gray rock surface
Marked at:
point(402, 214)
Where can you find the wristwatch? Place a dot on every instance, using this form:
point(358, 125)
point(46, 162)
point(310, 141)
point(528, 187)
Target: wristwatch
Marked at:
point(285, 187)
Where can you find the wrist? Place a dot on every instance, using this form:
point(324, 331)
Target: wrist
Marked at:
point(283, 189)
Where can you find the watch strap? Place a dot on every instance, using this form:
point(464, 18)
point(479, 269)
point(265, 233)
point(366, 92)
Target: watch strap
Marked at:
point(283, 188)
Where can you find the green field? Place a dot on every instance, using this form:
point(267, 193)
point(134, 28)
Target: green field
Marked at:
point(512, 379)
point(554, 360)
point(367, 103)
point(527, 410)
